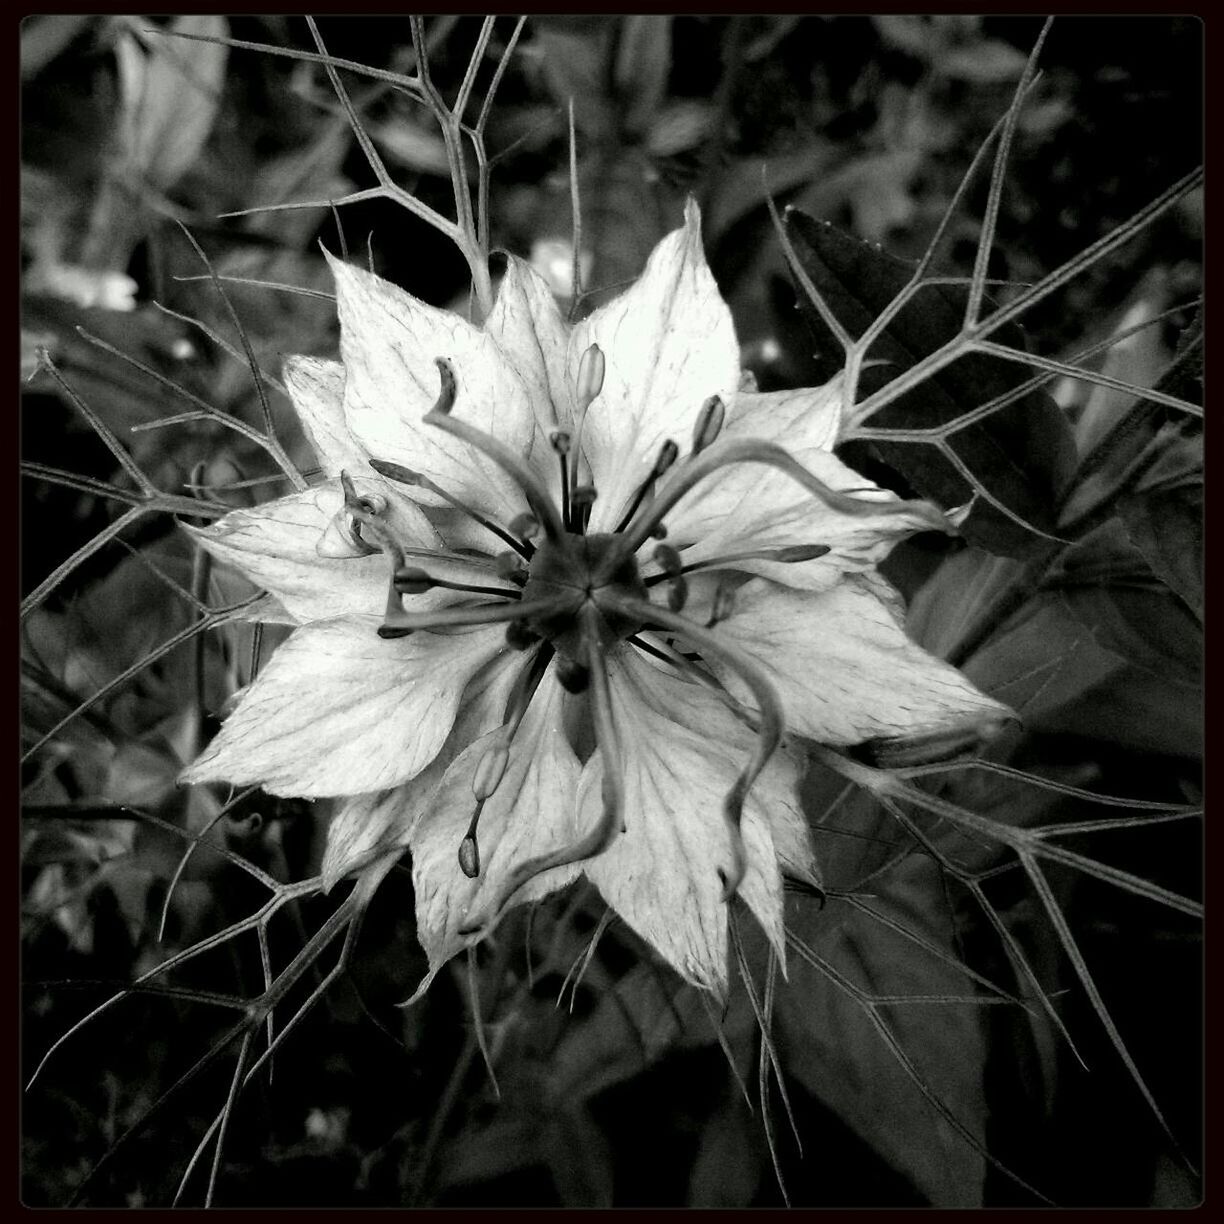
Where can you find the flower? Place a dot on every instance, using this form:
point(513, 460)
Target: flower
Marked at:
point(567, 601)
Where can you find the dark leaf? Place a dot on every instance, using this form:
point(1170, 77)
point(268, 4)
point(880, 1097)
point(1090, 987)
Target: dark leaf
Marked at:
point(1021, 454)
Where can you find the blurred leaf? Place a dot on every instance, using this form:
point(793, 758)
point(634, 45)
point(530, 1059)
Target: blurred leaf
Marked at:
point(727, 1170)
point(45, 36)
point(678, 127)
point(1021, 454)
point(575, 67)
point(170, 93)
point(580, 1158)
point(643, 61)
point(987, 62)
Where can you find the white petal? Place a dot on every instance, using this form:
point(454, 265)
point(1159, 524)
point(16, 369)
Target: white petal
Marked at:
point(750, 506)
point(842, 665)
point(669, 343)
point(527, 325)
point(389, 341)
point(276, 546)
point(341, 711)
point(532, 812)
point(383, 820)
point(682, 752)
point(316, 388)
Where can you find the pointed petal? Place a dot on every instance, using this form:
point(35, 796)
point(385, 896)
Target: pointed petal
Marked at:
point(750, 506)
point(532, 812)
point(389, 341)
point(341, 711)
point(276, 546)
point(316, 388)
point(364, 824)
point(842, 665)
point(533, 337)
point(669, 344)
point(682, 752)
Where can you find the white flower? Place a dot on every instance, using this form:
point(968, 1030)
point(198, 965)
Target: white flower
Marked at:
point(508, 673)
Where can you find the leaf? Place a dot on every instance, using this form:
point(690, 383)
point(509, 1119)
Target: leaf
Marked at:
point(1022, 454)
point(1164, 515)
point(829, 1045)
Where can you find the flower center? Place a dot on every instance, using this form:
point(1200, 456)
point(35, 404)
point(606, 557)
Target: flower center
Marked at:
point(573, 572)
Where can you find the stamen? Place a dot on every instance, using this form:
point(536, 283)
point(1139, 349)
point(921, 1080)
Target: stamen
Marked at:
point(769, 734)
point(590, 383)
point(787, 556)
point(667, 456)
point(752, 450)
point(342, 538)
point(537, 496)
point(559, 439)
point(667, 557)
point(409, 580)
point(399, 623)
point(491, 768)
point(709, 424)
point(613, 792)
point(406, 476)
point(519, 637)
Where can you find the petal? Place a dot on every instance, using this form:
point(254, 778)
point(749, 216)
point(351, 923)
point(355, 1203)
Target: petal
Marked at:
point(533, 337)
point(533, 811)
point(382, 820)
point(842, 665)
point(749, 506)
point(682, 752)
point(316, 388)
point(668, 343)
point(389, 341)
point(341, 711)
point(275, 546)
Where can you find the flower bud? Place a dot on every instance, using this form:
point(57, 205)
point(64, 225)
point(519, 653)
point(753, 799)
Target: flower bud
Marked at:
point(341, 541)
point(590, 376)
point(709, 423)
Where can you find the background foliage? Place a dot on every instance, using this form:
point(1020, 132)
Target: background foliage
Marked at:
point(623, 1095)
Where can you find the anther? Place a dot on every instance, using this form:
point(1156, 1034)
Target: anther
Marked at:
point(508, 566)
point(573, 677)
point(668, 559)
point(677, 593)
point(449, 389)
point(800, 552)
point(724, 605)
point(709, 423)
point(583, 495)
point(412, 581)
point(559, 440)
point(469, 854)
point(667, 456)
point(490, 770)
point(519, 637)
point(524, 525)
point(668, 453)
point(590, 376)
